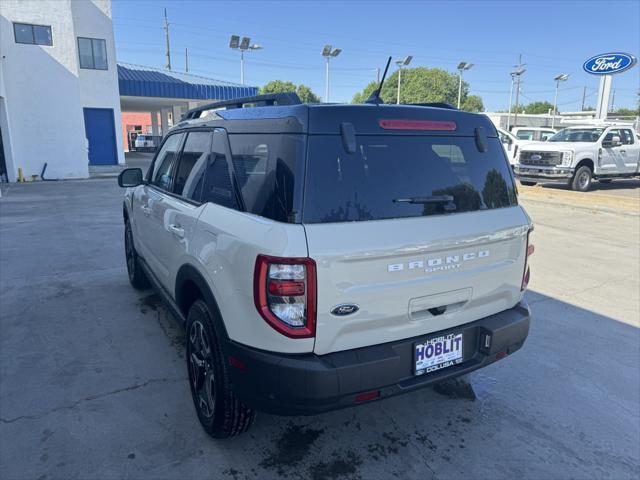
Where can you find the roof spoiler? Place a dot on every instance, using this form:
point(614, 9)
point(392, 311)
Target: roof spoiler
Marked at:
point(435, 105)
point(269, 100)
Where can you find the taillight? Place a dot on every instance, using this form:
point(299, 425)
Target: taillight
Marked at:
point(284, 291)
point(527, 272)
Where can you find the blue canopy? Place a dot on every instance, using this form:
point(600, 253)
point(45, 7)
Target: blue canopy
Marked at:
point(138, 81)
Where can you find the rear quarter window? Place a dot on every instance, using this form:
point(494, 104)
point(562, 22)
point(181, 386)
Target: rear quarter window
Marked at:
point(267, 170)
point(367, 185)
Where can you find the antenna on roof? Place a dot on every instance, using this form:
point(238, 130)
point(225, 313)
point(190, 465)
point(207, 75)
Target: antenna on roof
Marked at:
point(374, 98)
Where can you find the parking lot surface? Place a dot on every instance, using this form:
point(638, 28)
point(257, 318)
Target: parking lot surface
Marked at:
point(93, 378)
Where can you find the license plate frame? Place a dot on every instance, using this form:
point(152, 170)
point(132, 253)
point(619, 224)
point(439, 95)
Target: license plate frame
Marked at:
point(450, 350)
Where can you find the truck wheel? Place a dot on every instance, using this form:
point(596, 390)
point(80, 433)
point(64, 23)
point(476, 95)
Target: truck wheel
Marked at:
point(528, 184)
point(137, 277)
point(581, 179)
point(220, 412)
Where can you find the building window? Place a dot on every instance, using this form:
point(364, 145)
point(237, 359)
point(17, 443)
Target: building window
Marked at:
point(32, 34)
point(93, 53)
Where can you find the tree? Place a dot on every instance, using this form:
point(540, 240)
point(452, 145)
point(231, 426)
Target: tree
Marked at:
point(473, 103)
point(627, 112)
point(282, 86)
point(424, 85)
point(537, 107)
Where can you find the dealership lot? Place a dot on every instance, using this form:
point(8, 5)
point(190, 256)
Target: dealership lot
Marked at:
point(93, 379)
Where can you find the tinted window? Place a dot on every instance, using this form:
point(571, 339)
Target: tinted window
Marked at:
point(266, 168)
point(193, 161)
point(32, 34)
point(217, 182)
point(626, 136)
point(525, 134)
point(163, 166)
point(368, 184)
point(92, 53)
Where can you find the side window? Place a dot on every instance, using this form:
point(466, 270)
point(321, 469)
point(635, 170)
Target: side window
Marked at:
point(610, 134)
point(193, 161)
point(266, 168)
point(626, 137)
point(218, 187)
point(525, 134)
point(163, 166)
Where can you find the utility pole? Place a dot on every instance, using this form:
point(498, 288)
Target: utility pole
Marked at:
point(513, 77)
point(166, 33)
point(518, 72)
point(186, 59)
point(584, 95)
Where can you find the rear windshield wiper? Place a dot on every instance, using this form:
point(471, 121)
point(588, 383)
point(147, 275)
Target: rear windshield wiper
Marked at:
point(446, 199)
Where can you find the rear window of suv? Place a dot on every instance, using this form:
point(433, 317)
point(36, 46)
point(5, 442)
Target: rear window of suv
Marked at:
point(368, 185)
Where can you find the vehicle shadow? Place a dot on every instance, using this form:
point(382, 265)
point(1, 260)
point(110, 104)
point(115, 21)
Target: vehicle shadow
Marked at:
point(622, 184)
point(530, 415)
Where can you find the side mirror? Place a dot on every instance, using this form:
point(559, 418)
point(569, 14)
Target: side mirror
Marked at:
point(130, 177)
point(615, 141)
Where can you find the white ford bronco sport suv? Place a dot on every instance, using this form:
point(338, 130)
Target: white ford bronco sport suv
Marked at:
point(576, 155)
point(323, 256)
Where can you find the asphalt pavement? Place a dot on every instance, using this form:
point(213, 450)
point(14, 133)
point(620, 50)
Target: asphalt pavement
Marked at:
point(93, 377)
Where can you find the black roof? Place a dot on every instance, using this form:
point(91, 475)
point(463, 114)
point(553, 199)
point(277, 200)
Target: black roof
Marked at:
point(292, 117)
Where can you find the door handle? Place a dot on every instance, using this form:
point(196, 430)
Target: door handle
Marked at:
point(177, 230)
point(145, 209)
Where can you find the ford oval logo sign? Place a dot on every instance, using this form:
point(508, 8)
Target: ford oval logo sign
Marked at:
point(345, 309)
point(609, 63)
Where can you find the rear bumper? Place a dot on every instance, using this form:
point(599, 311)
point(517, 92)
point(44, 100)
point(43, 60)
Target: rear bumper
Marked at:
point(307, 384)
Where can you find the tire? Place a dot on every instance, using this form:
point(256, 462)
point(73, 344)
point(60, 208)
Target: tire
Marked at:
point(528, 184)
point(581, 179)
point(605, 180)
point(137, 277)
point(219, 410)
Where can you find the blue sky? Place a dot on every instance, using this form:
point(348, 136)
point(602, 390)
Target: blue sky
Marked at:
point(553, 37)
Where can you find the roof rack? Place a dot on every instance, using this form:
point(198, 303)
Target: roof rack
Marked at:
point(436, 105)
point(271, 99)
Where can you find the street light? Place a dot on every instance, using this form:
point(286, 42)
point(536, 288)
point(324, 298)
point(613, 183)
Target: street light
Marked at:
point(402, 63)
point(560, 78)
point(328, 52)
point(462, 66)
point(243, 45)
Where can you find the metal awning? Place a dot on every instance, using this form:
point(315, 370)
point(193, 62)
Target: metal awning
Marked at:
point(140, 81)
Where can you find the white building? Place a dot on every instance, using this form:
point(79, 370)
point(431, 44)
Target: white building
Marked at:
point(59, 98)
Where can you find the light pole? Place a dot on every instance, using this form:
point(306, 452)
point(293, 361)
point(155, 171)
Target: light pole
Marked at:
point(243, 45)
point(402, 63)
point(462, 66)
point(328, 52)
point(560, 78)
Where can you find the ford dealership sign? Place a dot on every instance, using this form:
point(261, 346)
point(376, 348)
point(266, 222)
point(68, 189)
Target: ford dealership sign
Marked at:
point(609, 63)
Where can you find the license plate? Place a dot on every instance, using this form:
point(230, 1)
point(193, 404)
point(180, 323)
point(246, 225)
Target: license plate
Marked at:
point(438, 353)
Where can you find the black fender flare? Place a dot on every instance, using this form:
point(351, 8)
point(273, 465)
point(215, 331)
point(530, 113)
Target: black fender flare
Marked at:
point(188, 273)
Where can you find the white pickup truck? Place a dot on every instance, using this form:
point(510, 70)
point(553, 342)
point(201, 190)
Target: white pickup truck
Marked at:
point(576, 155)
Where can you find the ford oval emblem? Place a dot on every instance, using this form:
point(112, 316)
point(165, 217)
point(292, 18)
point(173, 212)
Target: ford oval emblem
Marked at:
point(345, 309)
point(535, 158)
point(609, 63)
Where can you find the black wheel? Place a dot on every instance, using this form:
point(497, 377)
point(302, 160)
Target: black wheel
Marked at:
point(220, 412)
point(581, 179)
point(605, 180)
point(137, 277)
point(528, 184)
